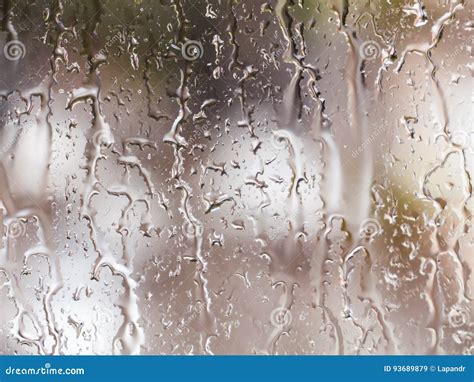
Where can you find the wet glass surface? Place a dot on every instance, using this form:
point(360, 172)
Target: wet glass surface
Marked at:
point(236, 177)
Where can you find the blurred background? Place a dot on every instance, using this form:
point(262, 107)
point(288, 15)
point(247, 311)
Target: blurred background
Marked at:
point(236, 177)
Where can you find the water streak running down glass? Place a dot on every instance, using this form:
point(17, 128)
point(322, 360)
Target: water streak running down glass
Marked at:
point(236, 177)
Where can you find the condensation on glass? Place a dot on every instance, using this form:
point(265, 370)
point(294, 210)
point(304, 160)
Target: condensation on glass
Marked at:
point(226, 177)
